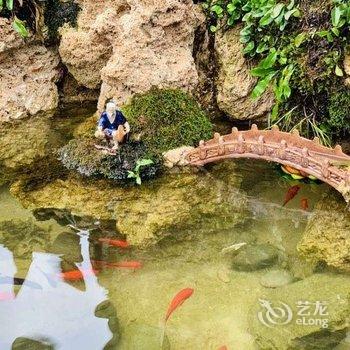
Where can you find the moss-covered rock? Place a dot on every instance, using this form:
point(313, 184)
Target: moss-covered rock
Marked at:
point(339, 117)
point(167, 119)
point(327, 237)
point(331, 289)
point(176, 203)
point(81, 155)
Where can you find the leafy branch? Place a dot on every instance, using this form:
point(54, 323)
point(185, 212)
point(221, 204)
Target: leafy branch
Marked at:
point(136, 173)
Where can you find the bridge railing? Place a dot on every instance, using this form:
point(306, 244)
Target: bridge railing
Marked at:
point(300, 158)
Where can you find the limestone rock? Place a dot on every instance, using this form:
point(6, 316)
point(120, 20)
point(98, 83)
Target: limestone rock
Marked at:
point(166, 206)
point(9, 37)
point(331, 289)
point(235, 83)
point(131, 45)
point(27, 76)
point(176, 156)
point(347, 69)
point(254, 257)
point(327, 235)
point(22, 142)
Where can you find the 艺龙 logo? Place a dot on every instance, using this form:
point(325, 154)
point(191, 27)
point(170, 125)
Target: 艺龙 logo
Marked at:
point(272, 315)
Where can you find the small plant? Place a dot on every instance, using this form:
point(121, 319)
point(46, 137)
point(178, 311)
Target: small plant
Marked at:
point(136, 173)
point(18, 25)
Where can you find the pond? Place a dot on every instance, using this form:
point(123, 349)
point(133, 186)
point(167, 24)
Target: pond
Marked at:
point(113, 306)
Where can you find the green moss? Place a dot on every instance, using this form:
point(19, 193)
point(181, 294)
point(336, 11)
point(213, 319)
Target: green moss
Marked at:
point(339, 106)
point(167, 119)
point(81, 155)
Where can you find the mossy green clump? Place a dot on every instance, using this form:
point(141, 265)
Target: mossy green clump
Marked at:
point(167, 119)
point(81, 155)
point(339, 107)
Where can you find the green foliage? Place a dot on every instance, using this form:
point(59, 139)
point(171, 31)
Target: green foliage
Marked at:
point(81, 155)
point(167, 119)
point(135, 174)
point(339, 117)
point(297, 47)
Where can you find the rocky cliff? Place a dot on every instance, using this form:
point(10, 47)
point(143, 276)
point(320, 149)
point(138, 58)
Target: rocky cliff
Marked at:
point(28, 73)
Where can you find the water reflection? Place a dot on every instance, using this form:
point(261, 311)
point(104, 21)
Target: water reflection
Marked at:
point(57, 313)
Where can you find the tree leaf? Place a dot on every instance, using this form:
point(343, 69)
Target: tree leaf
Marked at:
point(270, 60)
point(1, 5)
point(266, 20)
point(260, 72)
point(299, 39)
point(138, 180)
point(131, 174)
point(336, 14)
point(339, 71)
point(213, 29)
point(144, 162)
point(249, 47)
point(9, 5)
point(261, 86)
point(291, 5)
point(277, 10)
point(19, 27)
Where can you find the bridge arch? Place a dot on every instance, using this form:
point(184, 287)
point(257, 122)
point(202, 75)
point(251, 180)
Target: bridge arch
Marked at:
point(330, 165)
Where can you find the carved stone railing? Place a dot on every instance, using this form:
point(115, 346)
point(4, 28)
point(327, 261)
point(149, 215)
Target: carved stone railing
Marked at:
point(330, 165)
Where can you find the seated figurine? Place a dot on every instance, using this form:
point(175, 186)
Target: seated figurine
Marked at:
point(113, 126)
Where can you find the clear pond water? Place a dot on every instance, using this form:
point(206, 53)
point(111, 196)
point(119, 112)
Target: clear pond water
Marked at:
point(123, 308)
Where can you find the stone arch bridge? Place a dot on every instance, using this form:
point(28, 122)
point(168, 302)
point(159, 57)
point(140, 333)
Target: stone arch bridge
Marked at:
point(330, 165)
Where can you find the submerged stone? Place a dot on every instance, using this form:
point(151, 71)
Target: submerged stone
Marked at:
point(327, 235)
point(144, 337)
point(255, 257)
point(175, 203)
point(315, 327)
point(276, 278)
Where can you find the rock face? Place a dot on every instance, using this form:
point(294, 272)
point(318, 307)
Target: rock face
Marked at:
point(327, 235)
point(167, 206)
point(129, 46)
point(27, 76)
point(331, 289)
point(234, 83)
point(347, 69)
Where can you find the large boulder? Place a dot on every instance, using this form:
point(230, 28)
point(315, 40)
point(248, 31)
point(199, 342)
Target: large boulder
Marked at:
point(291, 333)
point(28, 72)
point(129, 46)
point(176, 203)
point(235, 83)
point(327, 235)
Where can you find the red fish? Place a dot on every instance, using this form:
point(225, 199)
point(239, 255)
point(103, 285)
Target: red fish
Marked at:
point(76, 275)
point(291, 193)
point(224, 347)
point(178, 300)
point(114, 242)
point(304, 204)
point(128, 264)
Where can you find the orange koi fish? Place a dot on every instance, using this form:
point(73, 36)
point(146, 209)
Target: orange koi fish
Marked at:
point(128, 264)
point(291, 193)
point(76, 275)
point(304, 204)
point(224, 347)
point(178, 300)
point(121, 264)
point(114, 242)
